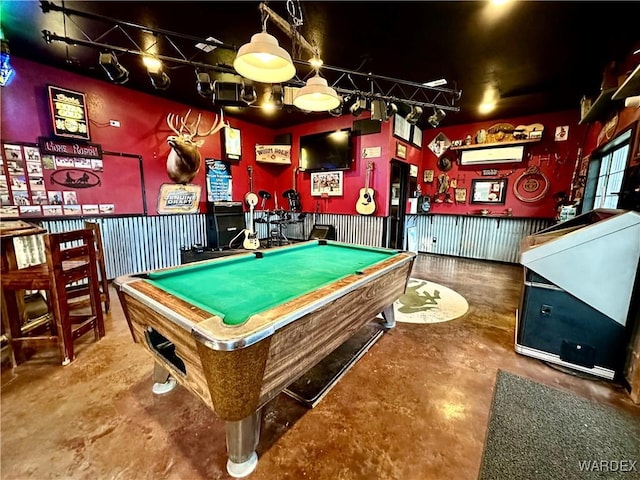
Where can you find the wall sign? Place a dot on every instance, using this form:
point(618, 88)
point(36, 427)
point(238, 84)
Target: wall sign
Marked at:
point(178, 198)
point(68, 113)
point(69, 149)
point(218, 181)
point(231, 143)
point(279, 154)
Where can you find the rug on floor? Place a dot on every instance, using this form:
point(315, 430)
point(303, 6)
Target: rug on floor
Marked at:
point(428, 302)
point(539, 432)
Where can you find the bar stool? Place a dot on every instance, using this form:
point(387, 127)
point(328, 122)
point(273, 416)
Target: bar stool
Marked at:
point(64, 266)
point(103, 283)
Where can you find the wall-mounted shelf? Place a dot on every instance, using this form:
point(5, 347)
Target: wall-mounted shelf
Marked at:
point(630, 87)
point(495, 144)
point(599, 107)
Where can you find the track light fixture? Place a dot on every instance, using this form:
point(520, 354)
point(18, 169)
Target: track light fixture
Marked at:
point(248, 93)
point(359, 106)
point(414, 115)
point(336, 112)
point(435, 119)
point(263, 59)
point(382, 111)
point(276, 96)
point(204, 84)
point(159, 79)
point(116, 72)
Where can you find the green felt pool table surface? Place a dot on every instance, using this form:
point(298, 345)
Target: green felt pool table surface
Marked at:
point(237, 287)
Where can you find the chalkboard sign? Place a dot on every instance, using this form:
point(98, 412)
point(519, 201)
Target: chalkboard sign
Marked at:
point(68, 113)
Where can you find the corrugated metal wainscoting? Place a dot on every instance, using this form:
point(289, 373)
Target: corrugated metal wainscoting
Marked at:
point(137, 244)
point(486, 238)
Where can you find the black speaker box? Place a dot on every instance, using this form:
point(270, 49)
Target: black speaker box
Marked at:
point(224, 208)
point(365, 127)
point(323, 232)
point(224, 222)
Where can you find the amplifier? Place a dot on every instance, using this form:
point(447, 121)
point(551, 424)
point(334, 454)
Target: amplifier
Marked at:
point(224, 208)
point(323, 232)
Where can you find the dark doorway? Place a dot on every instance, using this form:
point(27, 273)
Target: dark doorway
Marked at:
point(400, 187)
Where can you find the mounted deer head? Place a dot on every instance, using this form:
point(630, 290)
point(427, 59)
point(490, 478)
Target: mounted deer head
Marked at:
point(183, 162)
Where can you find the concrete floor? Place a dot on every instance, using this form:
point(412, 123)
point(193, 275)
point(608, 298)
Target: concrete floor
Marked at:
point(415, 407)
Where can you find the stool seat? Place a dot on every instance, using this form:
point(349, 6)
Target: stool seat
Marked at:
point(63, 267)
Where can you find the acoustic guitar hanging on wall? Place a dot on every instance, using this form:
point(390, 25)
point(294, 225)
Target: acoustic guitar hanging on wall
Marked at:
point(366, 204)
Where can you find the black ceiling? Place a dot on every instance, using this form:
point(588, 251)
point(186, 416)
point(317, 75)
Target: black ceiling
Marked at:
point(541, 56)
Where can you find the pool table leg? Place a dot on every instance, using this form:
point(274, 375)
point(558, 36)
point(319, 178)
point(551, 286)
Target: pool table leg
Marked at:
point(163, 382)
point(242, 441)
point(389, 317)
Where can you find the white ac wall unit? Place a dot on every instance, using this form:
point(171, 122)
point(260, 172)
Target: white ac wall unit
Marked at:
point(490, 155)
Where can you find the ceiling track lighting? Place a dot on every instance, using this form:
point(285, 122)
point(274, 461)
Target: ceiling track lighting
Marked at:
point(414, 115)
point(377, 86)
point(317, 96)
point(359, 106)
point(276, 98)
point(435, 119)
point(248, 93)
point(382, 111)
point(204, 85)
point(159, 79)
point(116, 72)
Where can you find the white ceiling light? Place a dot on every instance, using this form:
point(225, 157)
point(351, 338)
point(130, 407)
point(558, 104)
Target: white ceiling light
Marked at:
point(264, 60)
point(317, 96)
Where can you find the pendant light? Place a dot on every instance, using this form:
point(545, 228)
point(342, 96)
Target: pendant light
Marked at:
point(264, 60)
point(317, 96)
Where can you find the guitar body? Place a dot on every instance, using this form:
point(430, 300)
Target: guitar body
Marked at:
point(250, 241)
point(366, 203)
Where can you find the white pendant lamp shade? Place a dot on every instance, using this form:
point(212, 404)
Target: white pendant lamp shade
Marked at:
point(316, 96)
point(263, 60)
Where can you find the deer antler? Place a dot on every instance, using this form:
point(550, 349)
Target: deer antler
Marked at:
point(217, 125)
point(179, 125)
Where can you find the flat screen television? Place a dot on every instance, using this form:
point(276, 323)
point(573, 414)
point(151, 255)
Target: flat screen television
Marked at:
point(326, 151)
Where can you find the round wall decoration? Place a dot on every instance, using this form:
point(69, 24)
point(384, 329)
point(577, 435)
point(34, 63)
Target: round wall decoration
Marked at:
point(531, 186)
point(445, 163)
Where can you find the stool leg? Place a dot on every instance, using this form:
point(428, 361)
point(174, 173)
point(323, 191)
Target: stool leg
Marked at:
point(62, 321)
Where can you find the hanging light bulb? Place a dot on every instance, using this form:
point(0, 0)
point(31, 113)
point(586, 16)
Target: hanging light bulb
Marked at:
point(317, 96)
point(264, 60)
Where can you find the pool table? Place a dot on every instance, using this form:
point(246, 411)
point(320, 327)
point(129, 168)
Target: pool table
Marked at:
point(238, 330)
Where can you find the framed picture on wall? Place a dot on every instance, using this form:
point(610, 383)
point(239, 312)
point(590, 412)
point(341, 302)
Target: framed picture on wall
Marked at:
point(327, 183)
point(401, 150)
point(401, 128)
point(488, 190)
point(231, 143)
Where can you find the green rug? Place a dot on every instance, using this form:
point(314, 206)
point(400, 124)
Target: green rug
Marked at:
point(538, 432)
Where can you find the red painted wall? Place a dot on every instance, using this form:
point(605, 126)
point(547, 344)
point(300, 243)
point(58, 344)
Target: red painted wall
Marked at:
point(144, 131)
point(556, 160)
point(142, 117)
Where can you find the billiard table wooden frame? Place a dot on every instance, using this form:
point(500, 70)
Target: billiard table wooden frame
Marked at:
point(235, 370)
